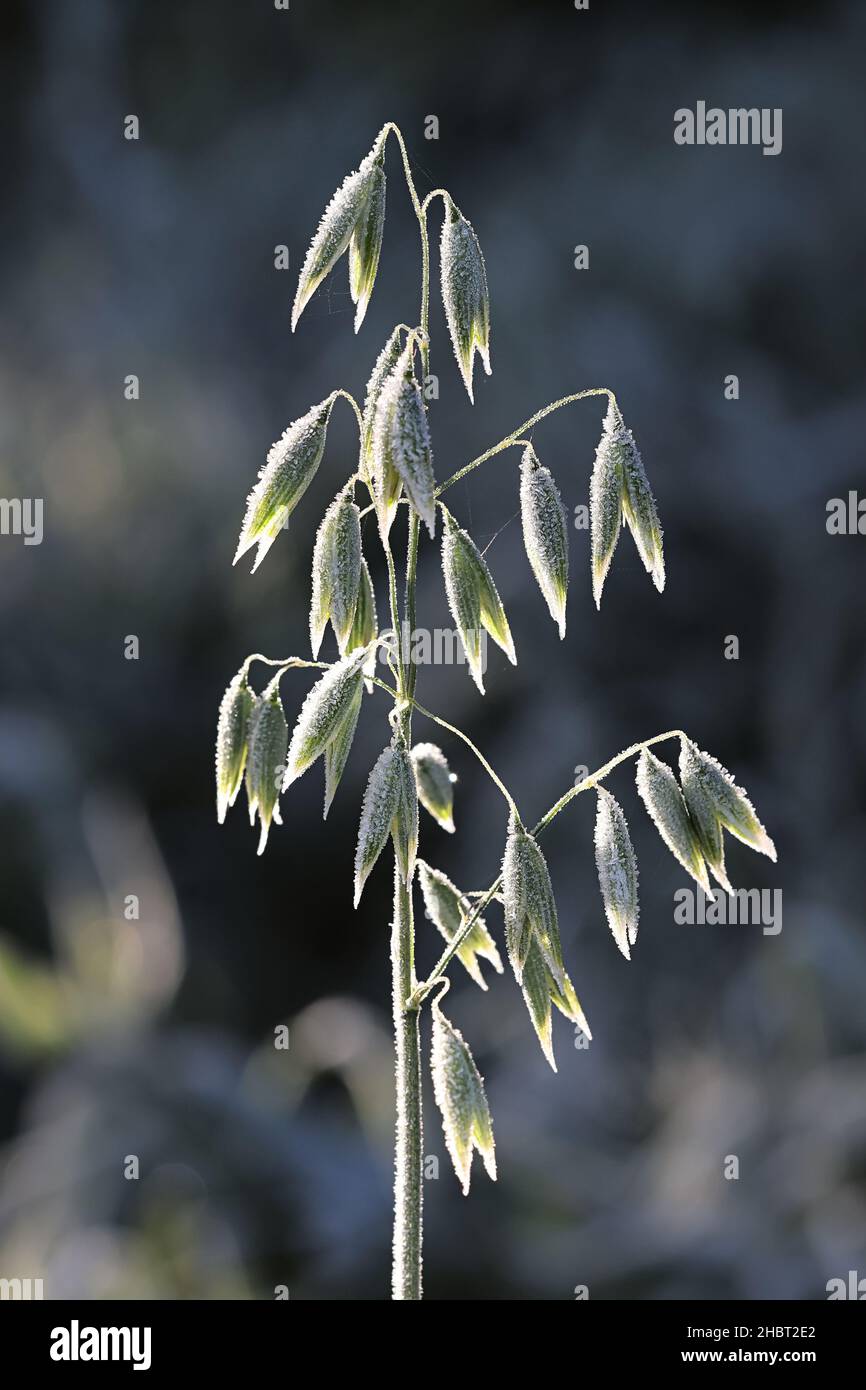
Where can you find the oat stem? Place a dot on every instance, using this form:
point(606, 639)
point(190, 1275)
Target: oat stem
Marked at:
point(408, 1195)
point(408, 1191)
point(514, 437)
point(288, 663)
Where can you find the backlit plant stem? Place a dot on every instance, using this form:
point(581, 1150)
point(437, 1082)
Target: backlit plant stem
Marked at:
point(514, 437)
point(408, 1177)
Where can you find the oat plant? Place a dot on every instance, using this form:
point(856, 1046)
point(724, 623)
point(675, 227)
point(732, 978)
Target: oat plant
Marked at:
point(690, 808)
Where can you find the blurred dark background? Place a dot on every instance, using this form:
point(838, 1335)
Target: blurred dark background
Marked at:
point(155, 1037)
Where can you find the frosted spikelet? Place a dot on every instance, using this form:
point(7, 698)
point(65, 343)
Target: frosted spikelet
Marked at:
point(459, 1092)
point(236, 708)
point(448, 909)
point(464, 293)
point(711, 793)
point(266, 759)
point(619, 491)
point(290, 468)
point(435, 783)
point(405, 827)
point(336, 572)
point(390, 807)
point(472, 597)
point(338, 747)
point(382, 369)
point(365, 245)
point(545, 533)
point(617, 871)
point(530, 909)
point(639, 507)
point(605, 502)
point(327, 705)
point(541, 991)
point(365, 625)
point(660, 793)
point(401, 449)
point(347, 210)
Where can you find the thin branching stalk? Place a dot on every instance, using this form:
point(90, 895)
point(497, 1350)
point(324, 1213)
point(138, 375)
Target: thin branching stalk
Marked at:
point(514, 438)
point(488, 895)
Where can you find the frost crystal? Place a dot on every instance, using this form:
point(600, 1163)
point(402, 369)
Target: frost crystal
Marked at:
point(545, 534)
point(448, 909)
point(464, 293)
point(435, 783)
point(459, 1092)
point(617, 871)
point(660, 793)
point(290, 468)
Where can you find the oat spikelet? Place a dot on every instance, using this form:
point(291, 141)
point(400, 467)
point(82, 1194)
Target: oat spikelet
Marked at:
point(346, 211)
point(617, 871)
point(435, 783)
point(464, 293)
point(460, 1096)
point(545, 534)
point(290, 468)
point(233, 727)
point(448, 909)
point(660, 793)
